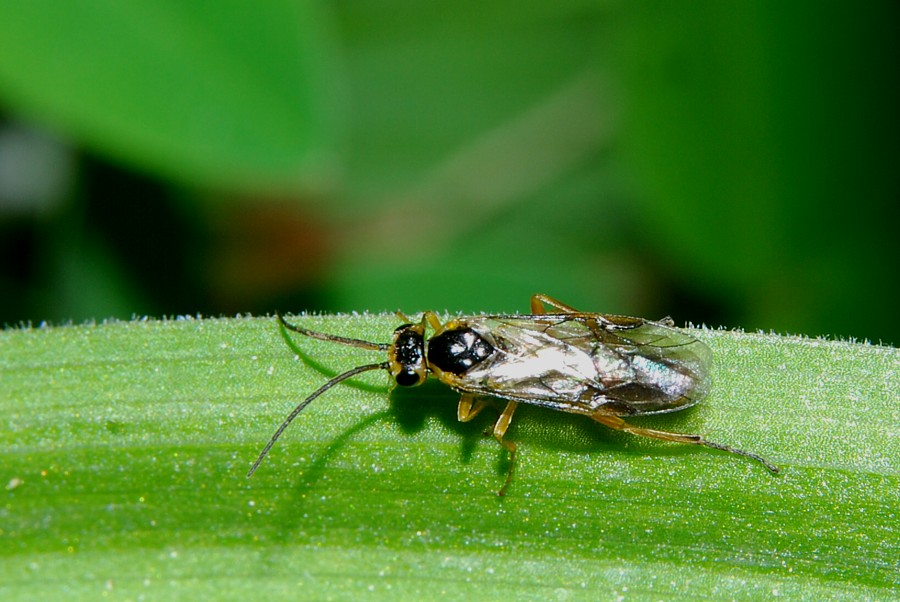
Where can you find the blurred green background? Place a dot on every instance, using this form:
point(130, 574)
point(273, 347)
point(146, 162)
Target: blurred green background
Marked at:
point(732, 163)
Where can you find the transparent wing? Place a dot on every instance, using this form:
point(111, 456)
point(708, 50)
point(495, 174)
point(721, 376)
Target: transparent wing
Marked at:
point(582, 362)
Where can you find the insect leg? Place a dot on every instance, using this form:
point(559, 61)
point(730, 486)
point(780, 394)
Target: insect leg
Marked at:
point(619, 424)
point(499, 430)
point(403, 316)
point(597, 322)
point(433, 321)
point(540, 302)
point(469, 407)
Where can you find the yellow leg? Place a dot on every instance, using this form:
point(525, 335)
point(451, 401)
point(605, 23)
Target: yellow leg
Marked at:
point(619, 424)
point(540, 302)
point(433, 321)
point(403, 316)
point(499, 430)
point(469, 407)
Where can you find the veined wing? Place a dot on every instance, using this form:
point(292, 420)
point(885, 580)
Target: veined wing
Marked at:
point(582, 362)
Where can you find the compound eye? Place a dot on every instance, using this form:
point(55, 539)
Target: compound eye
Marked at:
point(407, 378)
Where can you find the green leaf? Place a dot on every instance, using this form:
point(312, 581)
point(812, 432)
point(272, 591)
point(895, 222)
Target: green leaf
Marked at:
point(224, 92)
point(125, 448)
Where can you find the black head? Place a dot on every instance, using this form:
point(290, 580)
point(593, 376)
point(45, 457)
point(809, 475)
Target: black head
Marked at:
point(406, 355)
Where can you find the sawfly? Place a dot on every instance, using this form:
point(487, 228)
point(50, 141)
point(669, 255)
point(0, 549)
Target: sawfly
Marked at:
point(606, 367)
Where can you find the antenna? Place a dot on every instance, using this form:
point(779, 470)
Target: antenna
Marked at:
point(306, 402)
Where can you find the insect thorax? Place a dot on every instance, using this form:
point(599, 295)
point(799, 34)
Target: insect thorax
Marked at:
point(458, 349)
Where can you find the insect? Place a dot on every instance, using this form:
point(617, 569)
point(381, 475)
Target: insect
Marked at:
point(602, 366)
